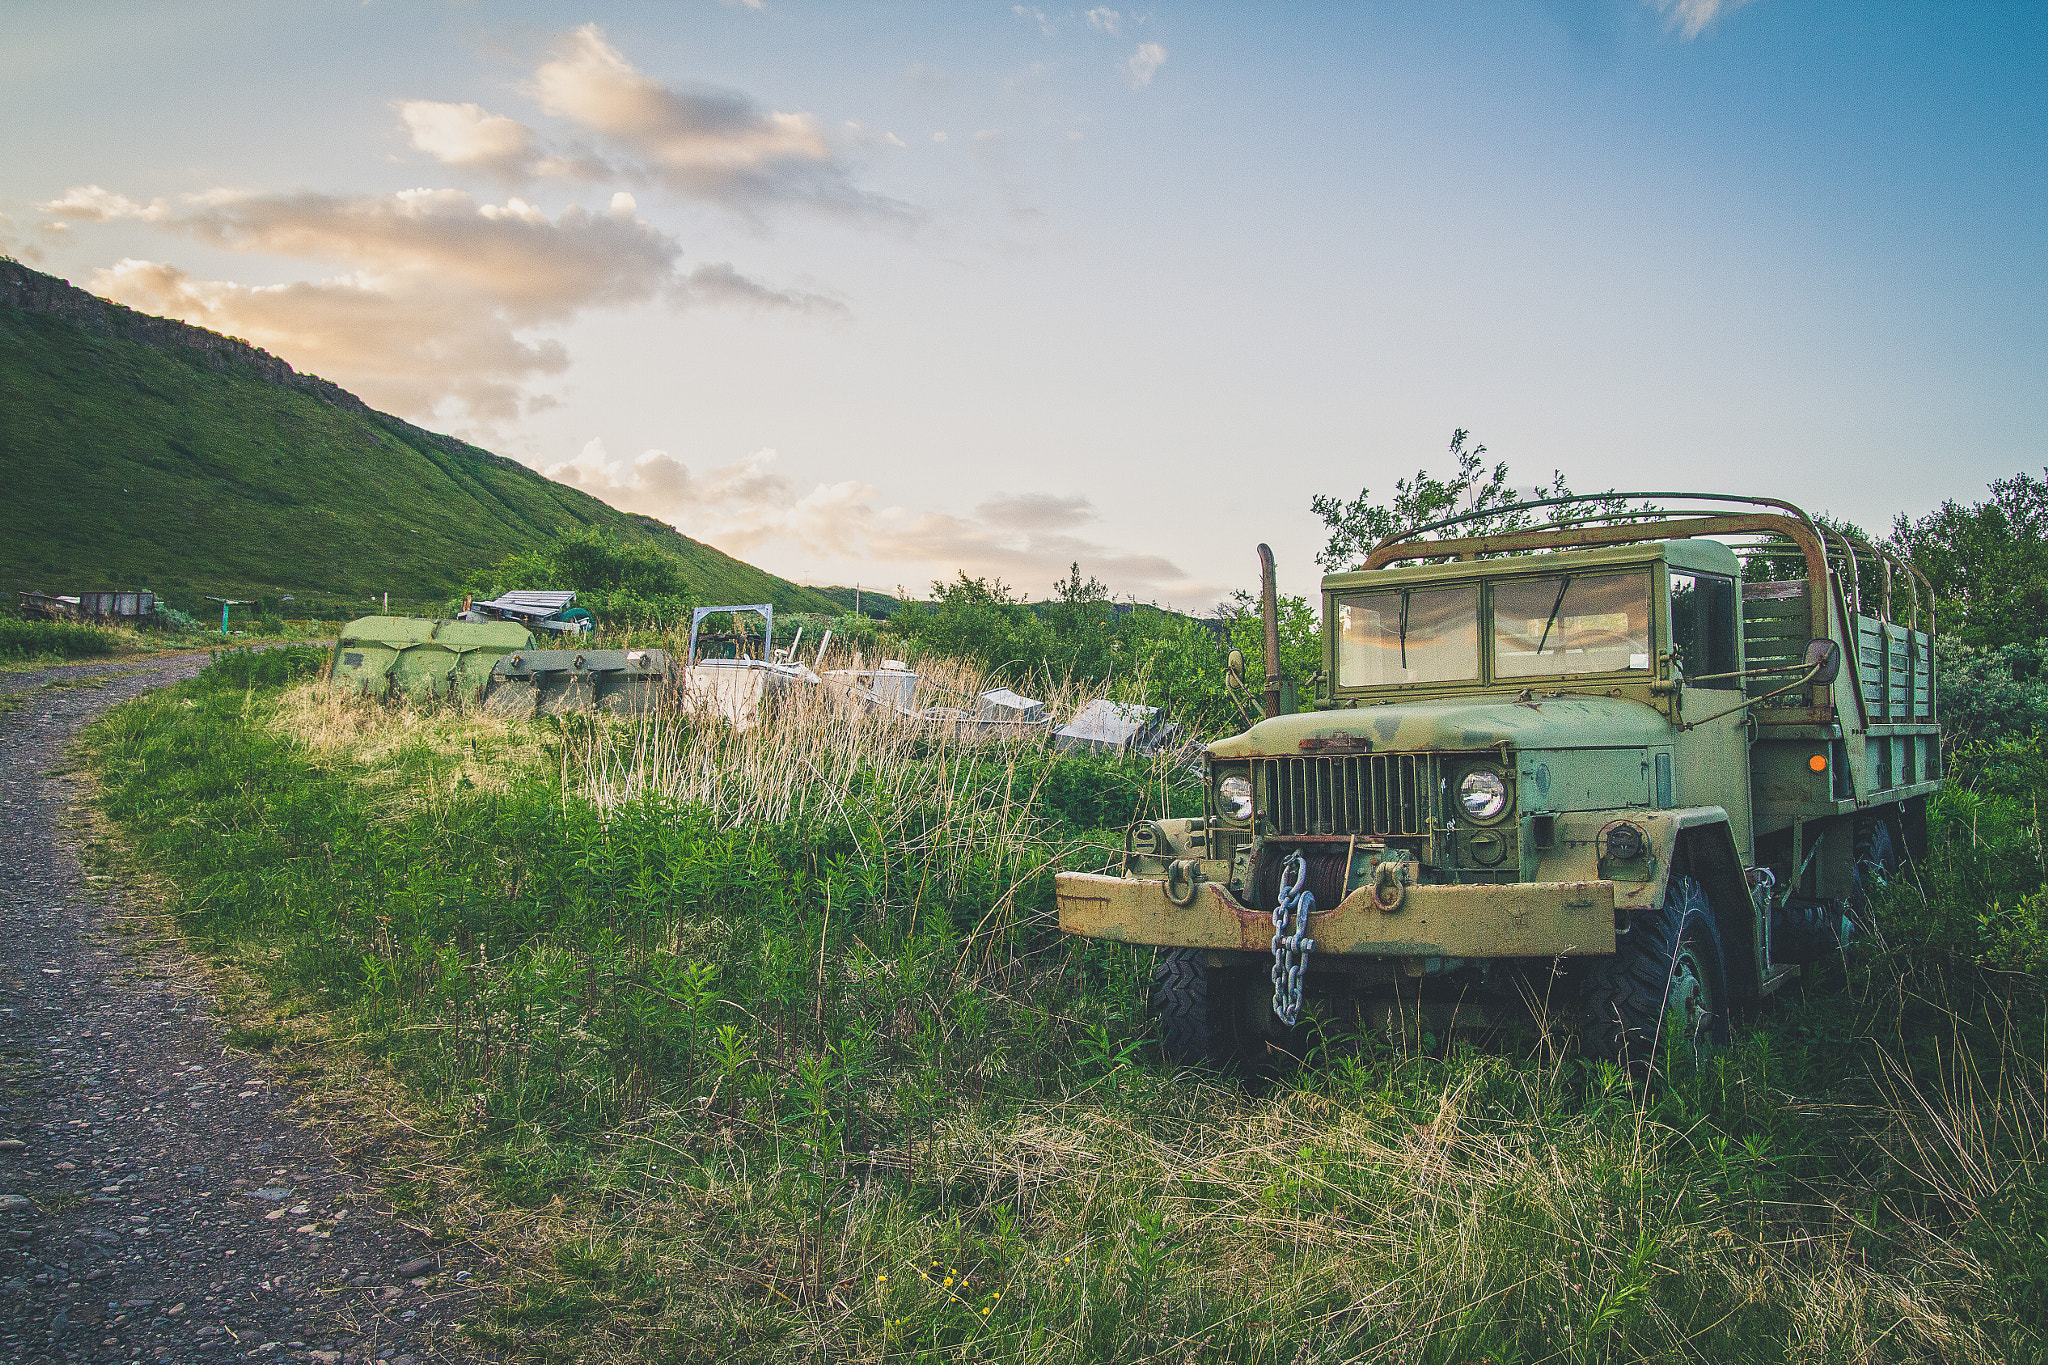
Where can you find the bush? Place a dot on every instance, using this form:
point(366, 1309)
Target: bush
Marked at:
point(624, 586)
point(1989, 696)
point(1137, 653)
point(1101, 792)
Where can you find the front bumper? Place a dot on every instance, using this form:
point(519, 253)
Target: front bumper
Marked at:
point(1522, 919)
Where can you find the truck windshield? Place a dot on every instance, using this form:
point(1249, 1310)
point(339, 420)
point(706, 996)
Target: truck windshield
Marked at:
point(1414, 635)
point(1571, 623)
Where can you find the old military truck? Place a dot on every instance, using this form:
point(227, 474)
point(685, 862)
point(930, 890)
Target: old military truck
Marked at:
point(1587, 767)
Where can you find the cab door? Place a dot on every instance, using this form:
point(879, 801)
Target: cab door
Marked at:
point(1710, 763)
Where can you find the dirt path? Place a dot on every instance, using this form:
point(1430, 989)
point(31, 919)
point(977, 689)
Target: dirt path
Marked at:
point(159, 1199)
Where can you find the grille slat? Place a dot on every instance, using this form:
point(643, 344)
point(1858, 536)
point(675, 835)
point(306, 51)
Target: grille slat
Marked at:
point(1382, 794)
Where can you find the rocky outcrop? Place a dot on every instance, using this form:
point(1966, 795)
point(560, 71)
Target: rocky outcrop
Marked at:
point(34, 292)
point(31, 291)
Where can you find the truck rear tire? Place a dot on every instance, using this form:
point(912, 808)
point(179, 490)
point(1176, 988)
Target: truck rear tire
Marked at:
point(1664, 983)
point(1877, 861)
point(1804, 931)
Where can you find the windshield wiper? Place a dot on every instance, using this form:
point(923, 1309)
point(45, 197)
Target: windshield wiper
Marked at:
point(1404, 629)
point(1551, 620)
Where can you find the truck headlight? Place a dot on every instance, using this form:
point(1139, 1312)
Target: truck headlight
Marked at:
point(1482, 794)
point(1234, 798)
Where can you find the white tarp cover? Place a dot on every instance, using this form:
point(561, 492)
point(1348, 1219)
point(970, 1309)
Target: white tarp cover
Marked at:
point(1103, 725)
point(1000, 703)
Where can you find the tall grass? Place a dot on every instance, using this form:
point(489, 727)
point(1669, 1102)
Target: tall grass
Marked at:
point(762, 1046)
point(22, 639)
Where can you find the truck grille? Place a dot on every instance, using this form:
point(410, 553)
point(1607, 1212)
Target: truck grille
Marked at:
point(1383, 794)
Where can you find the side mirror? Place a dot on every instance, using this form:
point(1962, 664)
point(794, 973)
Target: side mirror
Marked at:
point(1824, 656)
point(1233, 671)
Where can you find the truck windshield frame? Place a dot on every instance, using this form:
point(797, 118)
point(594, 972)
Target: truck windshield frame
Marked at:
point(1409, 635)
point(1585, 622)
point(1561, 625)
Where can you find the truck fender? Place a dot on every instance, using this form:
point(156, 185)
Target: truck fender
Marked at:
point(1698, 842)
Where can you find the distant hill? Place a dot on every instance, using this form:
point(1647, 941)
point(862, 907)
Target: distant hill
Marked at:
point(141, 452)
point(877, 604)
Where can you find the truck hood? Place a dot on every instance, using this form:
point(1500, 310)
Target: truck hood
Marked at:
point(1573, 722)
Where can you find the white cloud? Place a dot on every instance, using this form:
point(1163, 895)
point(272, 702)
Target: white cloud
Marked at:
point(21, 248)
point(1693, 17)
point(738, 506)
point(716, 282)
point(1108, 20)
point(744, 507)
point(468, 135)
point(91, 204)
point(1036, 511)
point(410, 350)
point(1143, 63)
point(533, 267)
point(430, 316)
point(715, 145)
point(1038, 17)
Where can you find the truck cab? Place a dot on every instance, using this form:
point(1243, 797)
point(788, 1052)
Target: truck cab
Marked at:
point(1588, 755)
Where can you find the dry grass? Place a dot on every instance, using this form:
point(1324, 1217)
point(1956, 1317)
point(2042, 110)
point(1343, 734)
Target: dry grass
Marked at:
point(952, 797)
point(813, 747)
point(1203, 1223)
point(415, 752)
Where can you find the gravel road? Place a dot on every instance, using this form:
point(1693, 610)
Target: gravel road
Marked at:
point(161, 1198)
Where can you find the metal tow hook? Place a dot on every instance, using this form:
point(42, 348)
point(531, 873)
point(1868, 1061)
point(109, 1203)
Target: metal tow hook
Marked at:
point(1291, 950)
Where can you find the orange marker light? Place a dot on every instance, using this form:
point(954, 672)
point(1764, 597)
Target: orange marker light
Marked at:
point(1818, 763)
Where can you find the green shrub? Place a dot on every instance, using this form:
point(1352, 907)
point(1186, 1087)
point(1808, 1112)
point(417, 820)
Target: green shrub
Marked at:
point(1991, 696)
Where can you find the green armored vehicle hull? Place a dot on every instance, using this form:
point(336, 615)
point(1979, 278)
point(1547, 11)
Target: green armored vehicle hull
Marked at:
point(494, 663)
point(1588, 766)
point(409, 656)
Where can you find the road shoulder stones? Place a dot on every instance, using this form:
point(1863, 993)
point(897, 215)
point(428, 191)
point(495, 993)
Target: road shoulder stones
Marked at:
point(164, 1195)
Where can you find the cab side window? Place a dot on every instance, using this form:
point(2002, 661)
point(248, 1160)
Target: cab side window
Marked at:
point(1703, 626)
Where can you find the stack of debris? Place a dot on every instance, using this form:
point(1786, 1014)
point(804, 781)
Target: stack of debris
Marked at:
point(550, 612)
point(101, 608)
point(736, 688)
point(895, 688)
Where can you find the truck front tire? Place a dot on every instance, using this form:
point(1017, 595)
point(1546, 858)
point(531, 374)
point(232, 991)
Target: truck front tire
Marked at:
point(1195, 1006)
point(1664, 983)
point(1216, 1016)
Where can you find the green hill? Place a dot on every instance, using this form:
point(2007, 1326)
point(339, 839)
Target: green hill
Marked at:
point(877, 604)
point(140, 452)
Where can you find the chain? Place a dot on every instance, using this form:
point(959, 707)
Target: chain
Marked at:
point(1291, 950)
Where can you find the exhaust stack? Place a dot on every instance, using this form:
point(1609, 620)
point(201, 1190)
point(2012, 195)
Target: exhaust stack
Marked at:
point(1269, 608)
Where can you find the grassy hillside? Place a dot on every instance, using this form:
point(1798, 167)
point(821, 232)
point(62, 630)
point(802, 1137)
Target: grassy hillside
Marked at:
point(144, 453)
point(871, 602)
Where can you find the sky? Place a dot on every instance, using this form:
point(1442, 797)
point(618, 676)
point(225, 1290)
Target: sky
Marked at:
point(882, 293)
